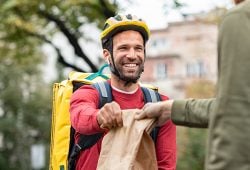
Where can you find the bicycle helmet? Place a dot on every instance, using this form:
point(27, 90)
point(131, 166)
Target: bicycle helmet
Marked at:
point(119, 23)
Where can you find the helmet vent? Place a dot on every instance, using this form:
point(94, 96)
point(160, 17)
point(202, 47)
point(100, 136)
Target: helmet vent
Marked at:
point(129, 16)
point(118, 18)
point(106, 25)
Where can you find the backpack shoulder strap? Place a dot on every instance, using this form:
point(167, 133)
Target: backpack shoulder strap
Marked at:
point(152, 96)
point(105, 94)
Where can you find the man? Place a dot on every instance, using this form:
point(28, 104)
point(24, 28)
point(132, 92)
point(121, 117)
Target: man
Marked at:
point(227, 116)
point(123, 40)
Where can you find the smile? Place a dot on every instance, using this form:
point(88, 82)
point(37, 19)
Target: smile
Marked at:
point(130, 65)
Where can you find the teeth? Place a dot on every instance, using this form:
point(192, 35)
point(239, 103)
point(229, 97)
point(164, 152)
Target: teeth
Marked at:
point(130, 65)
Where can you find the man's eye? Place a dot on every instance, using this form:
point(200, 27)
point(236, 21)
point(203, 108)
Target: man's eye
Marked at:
point(139, 49)
point(122, 48)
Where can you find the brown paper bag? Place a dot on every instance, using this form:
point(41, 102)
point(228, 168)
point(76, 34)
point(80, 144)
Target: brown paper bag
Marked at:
point(129, 147)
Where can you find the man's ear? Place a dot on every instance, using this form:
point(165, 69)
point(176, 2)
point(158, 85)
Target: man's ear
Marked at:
point(106, 55)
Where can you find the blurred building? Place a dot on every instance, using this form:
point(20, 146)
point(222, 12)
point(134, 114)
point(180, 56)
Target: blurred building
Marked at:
point(180, 53)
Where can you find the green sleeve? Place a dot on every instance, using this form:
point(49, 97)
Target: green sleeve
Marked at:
point(192, 112)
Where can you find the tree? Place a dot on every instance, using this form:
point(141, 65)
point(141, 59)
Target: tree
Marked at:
point(39, 21)
point(25, 112)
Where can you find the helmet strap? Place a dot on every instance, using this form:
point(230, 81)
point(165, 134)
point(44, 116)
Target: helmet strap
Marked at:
point(112, 66)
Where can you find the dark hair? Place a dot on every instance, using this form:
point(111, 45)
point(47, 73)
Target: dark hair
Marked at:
point(108, 44)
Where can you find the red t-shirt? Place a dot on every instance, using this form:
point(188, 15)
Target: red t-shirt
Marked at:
point(83, 109)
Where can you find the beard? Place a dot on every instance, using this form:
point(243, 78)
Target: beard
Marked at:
point(129, 75)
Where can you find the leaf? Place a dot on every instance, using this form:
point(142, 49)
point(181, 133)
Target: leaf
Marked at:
point(7, 5)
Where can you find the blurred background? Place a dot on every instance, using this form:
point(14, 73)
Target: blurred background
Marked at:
point(42, 41)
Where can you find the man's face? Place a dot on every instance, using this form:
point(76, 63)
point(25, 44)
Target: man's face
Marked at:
point(128, 53)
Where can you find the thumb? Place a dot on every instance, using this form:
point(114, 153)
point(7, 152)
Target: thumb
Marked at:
point(139, 115)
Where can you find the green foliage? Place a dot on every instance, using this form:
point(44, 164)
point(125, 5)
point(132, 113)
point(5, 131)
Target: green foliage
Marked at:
point(193, 155)
point(37, 22)
point(25, 117)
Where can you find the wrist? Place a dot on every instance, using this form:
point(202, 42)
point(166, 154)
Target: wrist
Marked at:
point(166, 105)
point(98, 119)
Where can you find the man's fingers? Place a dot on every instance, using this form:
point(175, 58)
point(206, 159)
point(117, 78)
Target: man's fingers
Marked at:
point(116, 114)
point(119, 119)
point(105, 127)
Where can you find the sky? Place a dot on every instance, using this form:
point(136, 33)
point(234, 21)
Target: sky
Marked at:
point(152, 10)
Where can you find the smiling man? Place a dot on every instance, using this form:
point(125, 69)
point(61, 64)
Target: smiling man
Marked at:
point(128, 63)
point(123, 40)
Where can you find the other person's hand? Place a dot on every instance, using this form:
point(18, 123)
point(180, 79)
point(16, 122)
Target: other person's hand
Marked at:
point(160, 110)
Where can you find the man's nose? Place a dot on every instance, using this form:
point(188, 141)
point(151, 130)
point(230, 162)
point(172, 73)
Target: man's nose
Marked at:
point(131, 53)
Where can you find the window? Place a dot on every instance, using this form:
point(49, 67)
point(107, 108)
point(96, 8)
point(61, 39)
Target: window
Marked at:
point(196, 69)
point(161, 71)
point(160, 43)
point(201, 69)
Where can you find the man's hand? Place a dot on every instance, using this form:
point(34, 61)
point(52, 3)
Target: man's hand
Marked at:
point(160, 110)
point(110, 116)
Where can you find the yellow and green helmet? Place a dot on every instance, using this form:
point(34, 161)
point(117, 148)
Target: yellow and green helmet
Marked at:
point(120, 23)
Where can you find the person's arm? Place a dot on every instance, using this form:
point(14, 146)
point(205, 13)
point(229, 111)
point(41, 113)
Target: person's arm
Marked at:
point(186, 112)
point(192, 112)
point(83, 110)
point(85, 116)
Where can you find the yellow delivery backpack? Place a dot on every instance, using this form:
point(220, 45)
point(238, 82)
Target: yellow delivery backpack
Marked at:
point(63, 151)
